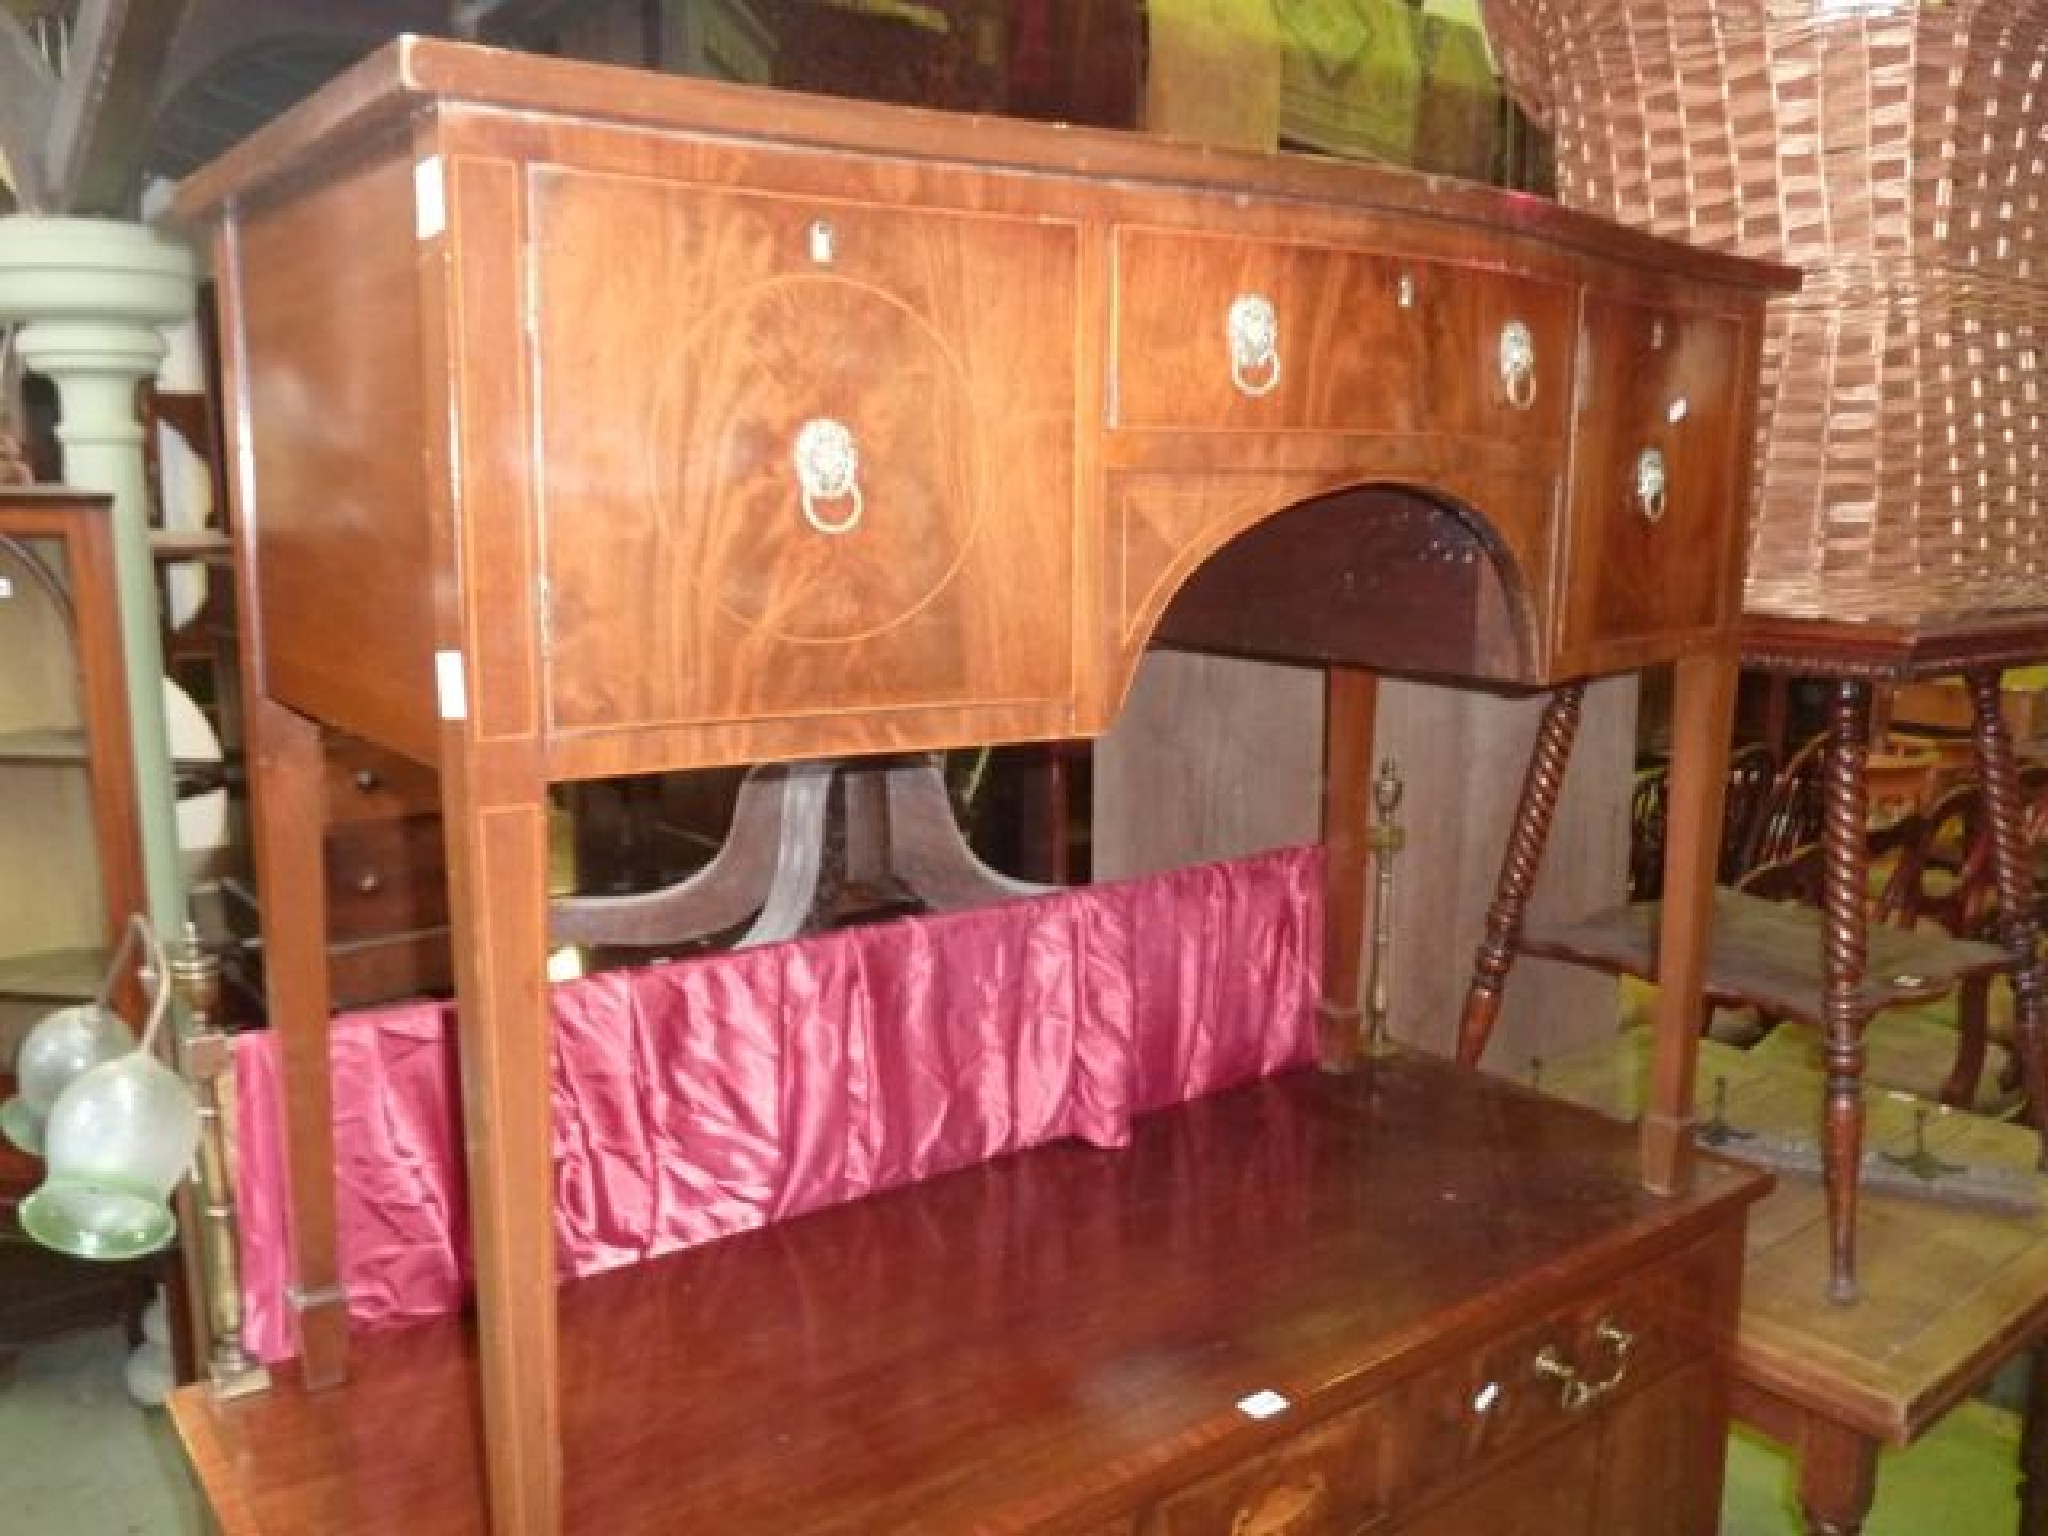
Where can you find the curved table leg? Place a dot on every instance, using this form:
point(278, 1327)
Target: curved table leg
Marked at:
point(799, 855)
point(733, 887)
point(771, 863)
point(928, 852)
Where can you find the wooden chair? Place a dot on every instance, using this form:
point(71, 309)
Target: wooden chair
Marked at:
point(1752, 776)
point(1646, 814)
point(1790, 817)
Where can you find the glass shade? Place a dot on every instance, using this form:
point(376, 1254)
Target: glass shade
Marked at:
point(60, 1047)
point(117, 1142)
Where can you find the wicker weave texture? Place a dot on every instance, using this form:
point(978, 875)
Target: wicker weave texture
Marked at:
point(1899, 153)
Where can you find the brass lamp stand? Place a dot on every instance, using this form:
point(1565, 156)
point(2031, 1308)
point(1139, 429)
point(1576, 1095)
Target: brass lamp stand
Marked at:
point(204, 1056)
point(1385, 841)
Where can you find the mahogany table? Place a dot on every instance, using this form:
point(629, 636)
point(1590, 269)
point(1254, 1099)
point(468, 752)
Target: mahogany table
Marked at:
point(1950, 1294)
point(588, 422)
point(1838, 977)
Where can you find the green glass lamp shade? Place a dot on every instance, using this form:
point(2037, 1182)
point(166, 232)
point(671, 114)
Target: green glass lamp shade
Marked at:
point(62, 1045)
point(118, 1140)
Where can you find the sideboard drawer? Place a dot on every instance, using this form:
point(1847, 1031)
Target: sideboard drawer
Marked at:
point(806, 498)
point(1323, 1482)
point(1462, 1422)
point(1527, 1383)
point(1220, 333)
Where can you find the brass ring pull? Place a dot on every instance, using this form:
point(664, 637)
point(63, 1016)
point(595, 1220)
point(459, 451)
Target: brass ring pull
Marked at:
point(1253, 326)
point(1284, 1509)
point(1618, 1342)
point(1518, 364)
point(828, 469)
point(1577, 1392)
point(1651, 485)
point(1573, 1393)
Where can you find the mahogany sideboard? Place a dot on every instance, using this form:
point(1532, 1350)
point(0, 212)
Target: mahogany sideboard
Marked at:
point(1230, 1325)
point(587, 422)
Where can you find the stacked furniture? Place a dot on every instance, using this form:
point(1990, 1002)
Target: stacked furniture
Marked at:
point(671, 425)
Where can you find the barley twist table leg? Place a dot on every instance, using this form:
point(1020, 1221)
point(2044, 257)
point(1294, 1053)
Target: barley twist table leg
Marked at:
point(1845, 864)
point(2004, 818)
point(1541, 786)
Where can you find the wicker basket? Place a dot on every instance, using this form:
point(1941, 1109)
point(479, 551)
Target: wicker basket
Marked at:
point(1895, 151)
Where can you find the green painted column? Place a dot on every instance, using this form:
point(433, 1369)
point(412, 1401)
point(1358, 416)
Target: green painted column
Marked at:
point(88, 297)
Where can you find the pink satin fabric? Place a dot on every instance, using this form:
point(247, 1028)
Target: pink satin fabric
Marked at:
point(703, 1096)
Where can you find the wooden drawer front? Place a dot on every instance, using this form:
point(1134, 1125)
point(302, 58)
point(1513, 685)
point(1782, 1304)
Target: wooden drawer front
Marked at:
point(1458, 1418)
point(773, 335)
point(386, 877)
point(361, 973)
point(367, 783)
point(1645, 563)
point(1456, 1423)
point(1323, 1482)
point(1349, 354)
point(1550, 1492)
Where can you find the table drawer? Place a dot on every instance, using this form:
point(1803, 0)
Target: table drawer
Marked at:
point(386, 877)
point(367, 783)
point(1214, 332)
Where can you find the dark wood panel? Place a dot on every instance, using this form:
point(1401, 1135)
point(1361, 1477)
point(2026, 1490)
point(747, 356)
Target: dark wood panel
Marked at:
point(1369, 579)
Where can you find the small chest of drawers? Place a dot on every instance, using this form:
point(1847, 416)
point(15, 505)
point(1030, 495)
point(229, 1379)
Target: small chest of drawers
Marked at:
point(386, 885)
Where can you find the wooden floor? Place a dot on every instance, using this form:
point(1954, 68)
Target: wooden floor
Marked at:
point(1948, 1294)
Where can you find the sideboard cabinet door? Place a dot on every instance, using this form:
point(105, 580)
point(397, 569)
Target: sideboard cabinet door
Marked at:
point(1655, 485)
point(793, 447)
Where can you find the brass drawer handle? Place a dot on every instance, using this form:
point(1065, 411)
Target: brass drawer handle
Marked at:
point(1283, 1509)
point(1254, 329)
point(1577, 1391)
point(828, 469)
point(1518, 364)
point(1651, 485)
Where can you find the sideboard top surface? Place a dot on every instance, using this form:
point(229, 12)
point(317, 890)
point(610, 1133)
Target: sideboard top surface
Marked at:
point(1022, 1342)
point(412, 72)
